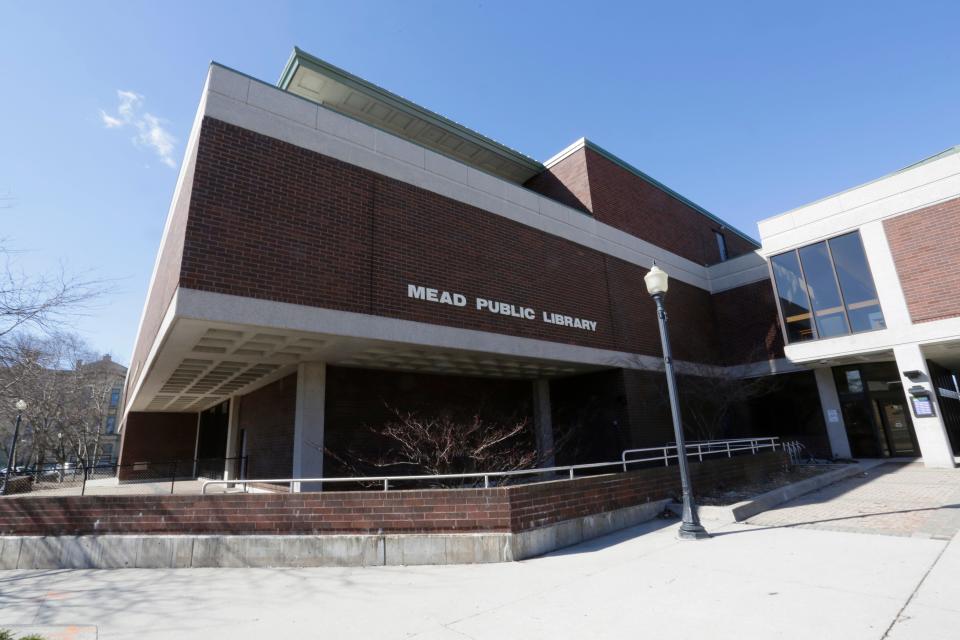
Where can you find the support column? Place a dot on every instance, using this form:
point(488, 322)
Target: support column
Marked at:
point(832, 414)
point(543, 423)
point(231, 466)
point(931, 432)
point(309, 423)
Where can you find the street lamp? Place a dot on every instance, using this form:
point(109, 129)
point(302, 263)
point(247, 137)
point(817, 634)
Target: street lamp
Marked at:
point(20, 405)
point(690, 528)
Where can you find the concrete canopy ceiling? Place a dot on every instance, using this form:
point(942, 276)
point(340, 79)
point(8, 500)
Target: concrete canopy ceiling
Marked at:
point(201, 363)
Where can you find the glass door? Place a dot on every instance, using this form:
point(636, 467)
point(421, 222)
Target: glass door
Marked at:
point(896, 426)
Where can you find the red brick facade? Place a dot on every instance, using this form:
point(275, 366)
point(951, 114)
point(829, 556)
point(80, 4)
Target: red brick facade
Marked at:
point(748, 328)
point(157, 437)
point(273, 221)
point(267, 419)
point(618, 197)
point(926, 249)
point(517, 508)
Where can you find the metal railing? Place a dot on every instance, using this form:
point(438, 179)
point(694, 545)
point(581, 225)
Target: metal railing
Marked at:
point(796, 452)
point(700, 449)
point(136, 478)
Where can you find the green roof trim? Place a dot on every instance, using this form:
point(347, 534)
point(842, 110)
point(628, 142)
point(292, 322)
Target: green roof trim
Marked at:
point(659, 185)
point(299, 58)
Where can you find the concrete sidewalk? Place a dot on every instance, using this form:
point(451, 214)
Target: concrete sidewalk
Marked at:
point(745, 582)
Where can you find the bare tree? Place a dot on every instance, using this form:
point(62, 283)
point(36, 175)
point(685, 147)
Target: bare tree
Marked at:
point(67, 395)
point(445, 444)
point(708, 399)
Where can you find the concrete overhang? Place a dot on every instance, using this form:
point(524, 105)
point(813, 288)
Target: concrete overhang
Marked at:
point(213, 346)
point(319, 81)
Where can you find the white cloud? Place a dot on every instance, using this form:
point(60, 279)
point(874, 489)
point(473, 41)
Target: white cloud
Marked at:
point(150, 129)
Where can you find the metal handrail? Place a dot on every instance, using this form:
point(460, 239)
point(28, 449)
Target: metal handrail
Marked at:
point(568, 469)
point(708, 447)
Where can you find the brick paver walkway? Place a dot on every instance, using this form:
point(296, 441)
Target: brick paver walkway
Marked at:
point(897, 499)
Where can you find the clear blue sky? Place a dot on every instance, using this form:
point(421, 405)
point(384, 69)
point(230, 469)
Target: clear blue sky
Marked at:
point(745, 108)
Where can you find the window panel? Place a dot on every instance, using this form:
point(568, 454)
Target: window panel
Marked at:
point(792, 295)
point(824, 294)
point(856, 282)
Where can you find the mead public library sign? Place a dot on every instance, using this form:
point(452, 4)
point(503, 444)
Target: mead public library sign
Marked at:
point(332, 247)
point(490, 305)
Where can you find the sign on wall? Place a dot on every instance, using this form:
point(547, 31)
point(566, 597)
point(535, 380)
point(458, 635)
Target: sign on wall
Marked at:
point(498, 307)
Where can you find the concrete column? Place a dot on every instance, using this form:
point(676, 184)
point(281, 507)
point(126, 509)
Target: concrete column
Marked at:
point(309, 423)
point(196, 445)
point(543, 423)
point(231, 467)
point(931, 432)
point(832, 415)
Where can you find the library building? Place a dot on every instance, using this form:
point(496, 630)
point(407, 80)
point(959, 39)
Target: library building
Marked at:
point(337, 258)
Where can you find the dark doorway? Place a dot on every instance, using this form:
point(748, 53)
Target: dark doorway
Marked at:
point(212, 441)
point(875, 411)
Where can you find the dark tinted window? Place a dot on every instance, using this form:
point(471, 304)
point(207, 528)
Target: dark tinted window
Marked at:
point(833, 278)
point(856, 282)
point(792, 294)
point(824, 295)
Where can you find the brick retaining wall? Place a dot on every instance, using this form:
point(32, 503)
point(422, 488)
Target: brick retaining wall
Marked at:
point(509, 509)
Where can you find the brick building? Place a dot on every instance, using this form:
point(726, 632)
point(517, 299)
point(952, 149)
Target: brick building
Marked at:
point(867, 283)
point(334, 252)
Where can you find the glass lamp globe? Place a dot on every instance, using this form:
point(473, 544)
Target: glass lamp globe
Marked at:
point(656, 280)
point(20, 405)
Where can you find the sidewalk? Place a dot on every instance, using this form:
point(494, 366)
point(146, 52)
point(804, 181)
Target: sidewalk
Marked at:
point(745, 582)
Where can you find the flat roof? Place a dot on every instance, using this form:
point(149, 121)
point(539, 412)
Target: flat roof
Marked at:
point(949, 151)
point(319, 81)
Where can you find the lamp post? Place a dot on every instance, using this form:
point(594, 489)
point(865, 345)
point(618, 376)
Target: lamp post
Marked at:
point(11, 458)
point(690, 528)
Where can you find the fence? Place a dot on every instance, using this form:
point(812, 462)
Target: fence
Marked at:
point(138, 478)
point(473, 480)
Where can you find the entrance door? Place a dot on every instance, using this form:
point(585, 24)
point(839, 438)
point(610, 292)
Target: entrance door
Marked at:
point(896, 427)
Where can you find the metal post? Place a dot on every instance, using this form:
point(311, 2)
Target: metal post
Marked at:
point(173, 476)
point(11, 458)
point(690, 528)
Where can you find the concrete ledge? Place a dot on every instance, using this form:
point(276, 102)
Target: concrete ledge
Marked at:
point(742, 511)
point(183, 551)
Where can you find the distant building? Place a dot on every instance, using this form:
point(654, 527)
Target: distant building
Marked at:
point(111, 376)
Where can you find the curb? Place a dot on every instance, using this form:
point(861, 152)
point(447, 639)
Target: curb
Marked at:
point(742, 511)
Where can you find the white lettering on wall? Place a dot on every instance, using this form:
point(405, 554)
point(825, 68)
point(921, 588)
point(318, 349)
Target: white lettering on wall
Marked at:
point(498, 307)
point(435, 295)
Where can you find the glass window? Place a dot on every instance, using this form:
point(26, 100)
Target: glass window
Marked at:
point(824, 295)
point(111, 424)
point(792, 294)
point(833, 280)
point(856, 282)
point(114, 397)
point(721, 245)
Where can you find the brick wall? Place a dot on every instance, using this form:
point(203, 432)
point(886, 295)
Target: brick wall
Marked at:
point(517, 508)
point(748, 328)
point(157, 437)
point(267, 417)
point(567, 181)
point(926, 249)
point(618, 197)
point(273, 221)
